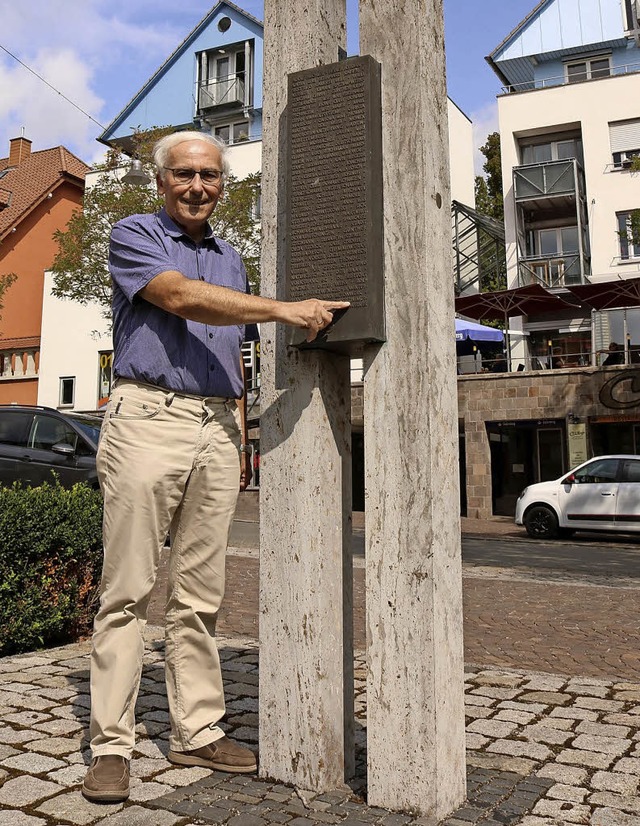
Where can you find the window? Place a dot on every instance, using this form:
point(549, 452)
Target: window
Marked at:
point(233, 132)
point(67, 391)
point(600, 471)
point(223, 77)
point(629, 234)
point(588, 69)
point(14, 427)
point(48, 431)
point(557, 150)
point(631, 470)
point(624, 137)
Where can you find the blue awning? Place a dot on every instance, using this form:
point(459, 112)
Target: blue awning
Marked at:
point(476, 332)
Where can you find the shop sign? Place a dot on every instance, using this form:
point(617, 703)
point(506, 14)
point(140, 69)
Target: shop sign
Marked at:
point(577, 443)
point(611, 391)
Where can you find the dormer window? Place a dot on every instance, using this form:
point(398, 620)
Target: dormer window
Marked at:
point(588, 69)
point(224, 81)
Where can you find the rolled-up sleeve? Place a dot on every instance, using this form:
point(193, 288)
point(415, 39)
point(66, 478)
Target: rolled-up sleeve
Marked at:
point(135, 257)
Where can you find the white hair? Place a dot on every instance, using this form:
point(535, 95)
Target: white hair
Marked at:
point(164, 146)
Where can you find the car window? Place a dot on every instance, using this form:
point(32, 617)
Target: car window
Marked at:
point(602, 470)
point(47, 431)
point(631, 470)
point(14, 427)
point(91, 427)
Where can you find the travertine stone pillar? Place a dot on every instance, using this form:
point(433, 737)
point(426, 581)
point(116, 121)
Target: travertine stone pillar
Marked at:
point(306, 657)
point(415, 728)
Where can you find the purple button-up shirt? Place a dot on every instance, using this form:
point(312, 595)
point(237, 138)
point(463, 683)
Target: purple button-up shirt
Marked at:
point(156, 347)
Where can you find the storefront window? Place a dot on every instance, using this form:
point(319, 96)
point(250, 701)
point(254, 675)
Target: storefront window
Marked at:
point(554, 349)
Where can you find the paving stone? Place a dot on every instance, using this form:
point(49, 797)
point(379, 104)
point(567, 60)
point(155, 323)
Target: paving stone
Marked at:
point(521, 717)
point(74, 808)
point(9, 735)
point(544, 683)
point(478, 700)
point(182, 777)
point(596, 704)
point(476, 741)
point(626, 696)
point(602, 730)
point(570, 775)
point(555, 698)
point(13, 817)
point(55, 745)
point(495, 693)
point(32, 763)
point(621, 719)
point(59, 727)
point(530, 820)
point(563, 723)
point(517, 748)
point(498, 678)
point(536, 708)
point(149, 749)
point(147, 766)
point(139, 816)
point(625, 803)
point(612, 817)
point(629, 765)
point(574, 713)
point(563, 811)
point(626, 784)
point(25, 790)
point(588, 690)
point(607, 745)
point(477, 712)
point(7, 751)
point(591, 759)
point(546, 734)
point(574, 794)
point(492, 728)
point(68, 776)
point(27, 718)
point(501, 762)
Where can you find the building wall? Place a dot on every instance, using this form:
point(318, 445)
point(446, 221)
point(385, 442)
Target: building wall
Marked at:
point(461, 155)
point(540, 395)
point(591, 106)
point(28, 252)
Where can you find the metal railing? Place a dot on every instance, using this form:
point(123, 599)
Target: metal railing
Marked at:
point(226, 91)
point(550, 271)
point(551, 361)
point(563, 80)
point(546, 180)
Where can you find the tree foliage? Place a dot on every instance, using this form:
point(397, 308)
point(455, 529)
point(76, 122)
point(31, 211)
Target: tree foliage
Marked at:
point(80, 267)
point(6, 281)
point(492, 263)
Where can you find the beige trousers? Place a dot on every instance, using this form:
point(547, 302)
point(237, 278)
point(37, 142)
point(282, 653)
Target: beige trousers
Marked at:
point(167, 463)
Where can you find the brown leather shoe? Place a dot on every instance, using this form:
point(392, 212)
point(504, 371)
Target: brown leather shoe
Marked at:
point(107, 780)
point(223, 755)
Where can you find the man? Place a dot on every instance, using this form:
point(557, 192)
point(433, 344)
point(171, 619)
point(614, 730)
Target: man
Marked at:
point(170, 456)
point(616, 354)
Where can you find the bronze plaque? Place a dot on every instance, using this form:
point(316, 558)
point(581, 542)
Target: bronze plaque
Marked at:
point(334, 199)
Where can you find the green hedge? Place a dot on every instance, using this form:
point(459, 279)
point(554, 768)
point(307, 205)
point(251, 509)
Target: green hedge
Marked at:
point(50, 562)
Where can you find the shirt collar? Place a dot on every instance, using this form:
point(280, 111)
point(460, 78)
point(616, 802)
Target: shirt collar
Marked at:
point(175, 231)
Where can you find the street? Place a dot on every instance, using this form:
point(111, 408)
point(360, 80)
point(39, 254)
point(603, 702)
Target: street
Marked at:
point(567, 607)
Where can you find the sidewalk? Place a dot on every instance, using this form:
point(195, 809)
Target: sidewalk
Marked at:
point(542, 749)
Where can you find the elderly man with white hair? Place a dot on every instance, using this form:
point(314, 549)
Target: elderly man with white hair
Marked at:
point(172, 458)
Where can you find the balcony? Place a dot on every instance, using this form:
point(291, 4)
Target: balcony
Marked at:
point(563, 80)
point(222, 94)
point(553, 186)
point(19, 363)
point(563, 270)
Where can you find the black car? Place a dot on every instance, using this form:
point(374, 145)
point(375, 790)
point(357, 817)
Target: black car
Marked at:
point(38, 442)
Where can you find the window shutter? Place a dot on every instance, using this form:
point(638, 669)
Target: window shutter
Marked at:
point(624, 135)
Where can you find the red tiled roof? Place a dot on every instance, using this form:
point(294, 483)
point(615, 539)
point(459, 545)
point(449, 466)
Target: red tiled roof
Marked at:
point(24, 186)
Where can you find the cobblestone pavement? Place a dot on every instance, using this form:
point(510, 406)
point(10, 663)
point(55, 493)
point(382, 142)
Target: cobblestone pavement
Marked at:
point(541, 749)
point(509, 622)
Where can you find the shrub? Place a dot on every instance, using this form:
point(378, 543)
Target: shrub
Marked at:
point(50, 561)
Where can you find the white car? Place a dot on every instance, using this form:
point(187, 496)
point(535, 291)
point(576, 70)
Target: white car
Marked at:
point(602, 494)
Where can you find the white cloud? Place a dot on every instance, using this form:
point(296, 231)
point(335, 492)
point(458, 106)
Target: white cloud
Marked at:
point(485, 121)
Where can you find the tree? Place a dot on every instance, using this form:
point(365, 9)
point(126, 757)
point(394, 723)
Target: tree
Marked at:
point(80, 267)
point(492, 264)
point(6, 281)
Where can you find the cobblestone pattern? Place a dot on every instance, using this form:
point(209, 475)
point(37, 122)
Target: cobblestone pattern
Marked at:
point(542, 749)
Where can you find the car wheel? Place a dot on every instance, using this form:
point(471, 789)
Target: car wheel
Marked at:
point(541, 522)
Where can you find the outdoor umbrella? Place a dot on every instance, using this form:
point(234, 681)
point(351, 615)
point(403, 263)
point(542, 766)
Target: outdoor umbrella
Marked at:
point(504, 304)
point(609, 295)
point(476, 332)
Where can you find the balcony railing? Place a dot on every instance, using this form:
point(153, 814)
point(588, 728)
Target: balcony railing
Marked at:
point(226, 91)
point(562, 80)
point(19, 363)
point(551, 271)
point(546, 180)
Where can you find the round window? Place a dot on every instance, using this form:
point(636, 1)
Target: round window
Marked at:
point(224, 24)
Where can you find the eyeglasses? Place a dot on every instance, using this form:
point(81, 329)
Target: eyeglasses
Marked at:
point(185, 176)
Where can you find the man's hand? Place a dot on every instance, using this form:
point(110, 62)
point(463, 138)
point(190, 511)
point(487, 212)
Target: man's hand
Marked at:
point(312, 315)
point(245, 470)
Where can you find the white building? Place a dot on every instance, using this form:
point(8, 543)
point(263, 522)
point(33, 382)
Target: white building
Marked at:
point(76, 345)
point(569, 125)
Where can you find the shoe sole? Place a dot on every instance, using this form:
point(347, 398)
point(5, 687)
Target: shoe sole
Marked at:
point(105, 797)
point(188, 760)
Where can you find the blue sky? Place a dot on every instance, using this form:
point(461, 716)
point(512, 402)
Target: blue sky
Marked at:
point(99, 53)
